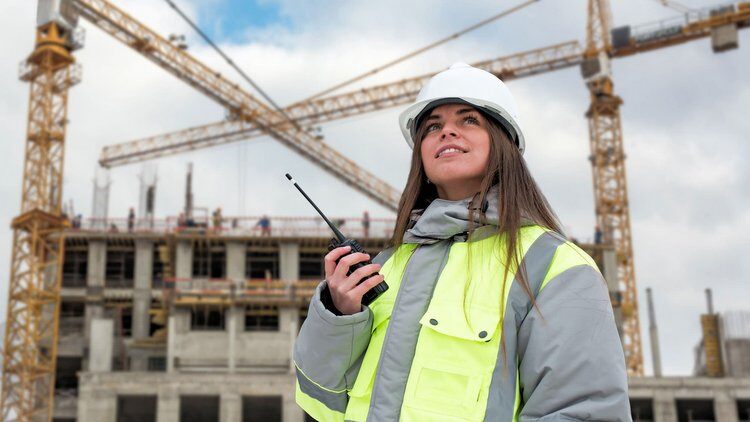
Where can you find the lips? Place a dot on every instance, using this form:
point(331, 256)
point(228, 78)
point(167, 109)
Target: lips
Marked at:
point(449, 149)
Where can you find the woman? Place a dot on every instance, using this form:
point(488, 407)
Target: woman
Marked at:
point(490, 313)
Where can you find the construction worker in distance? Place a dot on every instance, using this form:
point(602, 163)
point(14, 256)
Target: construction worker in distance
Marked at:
point(366, 224)
point(491, 314)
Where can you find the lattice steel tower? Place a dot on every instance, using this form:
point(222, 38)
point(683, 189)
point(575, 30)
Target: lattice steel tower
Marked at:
point(30, 346)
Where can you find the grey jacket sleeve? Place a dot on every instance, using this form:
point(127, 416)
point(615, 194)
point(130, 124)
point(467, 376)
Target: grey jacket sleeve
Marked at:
point(571, 361)
point(328, 349)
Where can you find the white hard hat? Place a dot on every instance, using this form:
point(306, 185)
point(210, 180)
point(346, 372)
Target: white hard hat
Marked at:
point(462, 83)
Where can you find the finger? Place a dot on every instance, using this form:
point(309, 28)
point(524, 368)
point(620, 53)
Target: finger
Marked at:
point(344, 263)
point(331, 257)
point(366, 285)
point(359, 274)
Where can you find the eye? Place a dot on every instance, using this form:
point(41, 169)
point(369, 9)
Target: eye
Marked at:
point(471, 120)
point(431, 127)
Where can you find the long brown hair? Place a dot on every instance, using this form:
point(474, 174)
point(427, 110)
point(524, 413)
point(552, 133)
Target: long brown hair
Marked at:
point(519, 197)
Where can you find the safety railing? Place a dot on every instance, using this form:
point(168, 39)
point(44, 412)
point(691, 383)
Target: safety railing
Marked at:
point(252, 226)
point(212, 289)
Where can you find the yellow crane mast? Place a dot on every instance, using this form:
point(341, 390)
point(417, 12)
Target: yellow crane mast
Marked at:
point(36, 263)
point(608, 169)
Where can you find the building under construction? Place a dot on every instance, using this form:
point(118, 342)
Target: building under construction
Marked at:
point(179, 323)
point(193, 323)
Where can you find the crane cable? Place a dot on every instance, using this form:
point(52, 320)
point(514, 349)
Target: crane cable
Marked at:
point(421, 50)
point(233, 65)
point(355, 79)
point(676, 6)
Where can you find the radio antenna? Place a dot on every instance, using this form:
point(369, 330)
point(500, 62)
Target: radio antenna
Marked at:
point(336, 231)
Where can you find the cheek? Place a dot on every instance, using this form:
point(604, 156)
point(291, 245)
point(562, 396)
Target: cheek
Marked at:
point(481, 148)
point(427, 159)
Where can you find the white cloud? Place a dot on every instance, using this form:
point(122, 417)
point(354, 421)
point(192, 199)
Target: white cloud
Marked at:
point(683, 122)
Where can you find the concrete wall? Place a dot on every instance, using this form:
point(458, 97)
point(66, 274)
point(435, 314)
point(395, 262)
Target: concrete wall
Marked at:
point(98, 393)
point(664, 391)
point(737, 355)
point(251, 348)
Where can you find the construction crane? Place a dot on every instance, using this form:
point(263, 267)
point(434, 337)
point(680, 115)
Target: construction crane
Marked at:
point(627, 41)
point(31, 335)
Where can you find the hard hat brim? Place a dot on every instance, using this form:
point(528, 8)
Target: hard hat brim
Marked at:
point(411, 117)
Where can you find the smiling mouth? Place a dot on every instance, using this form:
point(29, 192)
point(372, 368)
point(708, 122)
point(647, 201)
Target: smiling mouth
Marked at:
point(449, 150)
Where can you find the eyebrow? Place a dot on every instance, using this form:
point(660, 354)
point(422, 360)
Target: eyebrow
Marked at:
point(459, 112)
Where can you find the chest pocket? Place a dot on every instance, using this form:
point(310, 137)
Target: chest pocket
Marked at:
point(452, 369)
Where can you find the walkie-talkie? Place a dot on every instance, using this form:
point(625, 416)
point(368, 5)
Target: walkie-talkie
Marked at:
point(341, 240)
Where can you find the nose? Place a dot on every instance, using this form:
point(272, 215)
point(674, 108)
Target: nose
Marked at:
point(448, 131)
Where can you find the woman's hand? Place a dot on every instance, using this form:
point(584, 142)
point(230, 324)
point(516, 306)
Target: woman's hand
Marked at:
point(346, 294)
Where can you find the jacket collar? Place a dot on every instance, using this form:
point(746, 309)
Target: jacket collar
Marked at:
point(444, 219)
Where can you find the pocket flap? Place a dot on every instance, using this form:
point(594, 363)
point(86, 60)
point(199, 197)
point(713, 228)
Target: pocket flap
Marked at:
point(449, 319)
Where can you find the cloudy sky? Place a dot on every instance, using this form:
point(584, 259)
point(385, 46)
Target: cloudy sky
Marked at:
point(684, 121)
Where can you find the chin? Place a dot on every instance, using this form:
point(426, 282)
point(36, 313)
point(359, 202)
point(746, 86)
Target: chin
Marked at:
point(455, 176)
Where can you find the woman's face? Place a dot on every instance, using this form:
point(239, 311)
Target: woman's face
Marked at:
point(455, 150)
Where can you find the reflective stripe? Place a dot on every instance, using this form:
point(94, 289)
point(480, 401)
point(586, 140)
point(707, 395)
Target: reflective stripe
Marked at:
point(503, 395)
point(383, 256)
point(315, 408)
point(418, 283)
point(332, 400)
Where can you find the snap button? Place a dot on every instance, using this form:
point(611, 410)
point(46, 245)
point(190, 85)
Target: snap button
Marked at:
point(482, 334)
point(433, 321)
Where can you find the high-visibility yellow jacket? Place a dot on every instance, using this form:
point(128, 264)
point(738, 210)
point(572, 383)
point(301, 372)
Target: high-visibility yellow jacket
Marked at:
point(429, 349)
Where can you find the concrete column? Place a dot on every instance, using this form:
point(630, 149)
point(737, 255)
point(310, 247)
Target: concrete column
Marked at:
point(144, 256)
point(95, 272)
point(184, 259)
point(168, 405)
point(101, 345)
point(97, 260)
point(236, 254)
point(725, 407)
point(171, 327)
point(235, 319)
point(236, 260)
point(665, 408)
point(230, 408)
point(289, 262)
